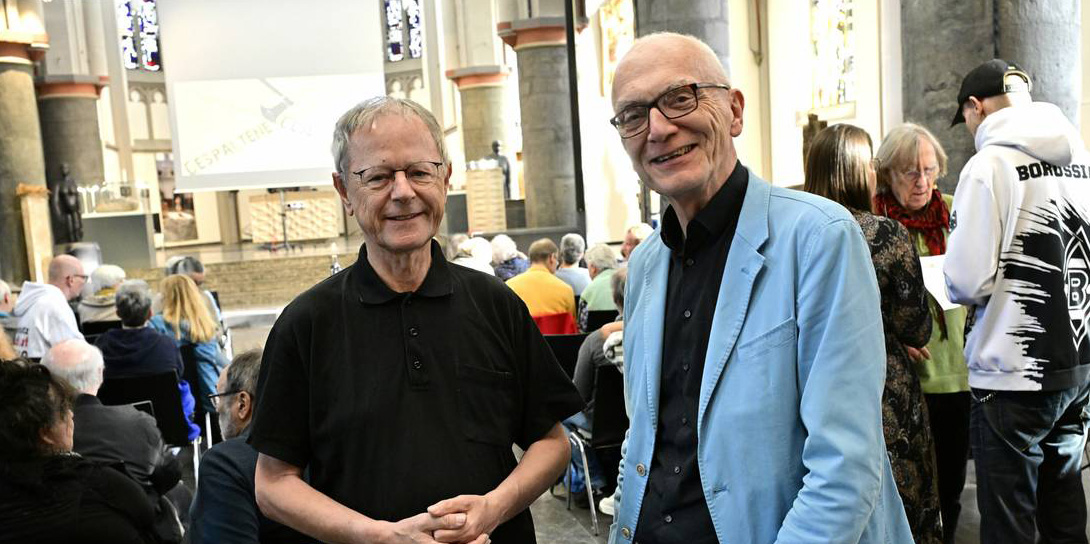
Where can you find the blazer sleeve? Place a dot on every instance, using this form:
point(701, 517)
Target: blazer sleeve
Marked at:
point(841, 365)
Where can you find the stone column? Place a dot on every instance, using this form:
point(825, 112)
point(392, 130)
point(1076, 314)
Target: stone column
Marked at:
point(484, 116)
point(942, 41)
point(21, 159)
point(69, 120)
point(704, 19)
point(549, 172)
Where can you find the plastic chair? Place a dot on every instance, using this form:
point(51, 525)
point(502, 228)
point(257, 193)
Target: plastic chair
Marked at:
point(566, 349)
point(597, 318)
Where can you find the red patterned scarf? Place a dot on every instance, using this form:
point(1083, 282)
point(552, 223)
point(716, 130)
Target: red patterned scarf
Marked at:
point(932, 221)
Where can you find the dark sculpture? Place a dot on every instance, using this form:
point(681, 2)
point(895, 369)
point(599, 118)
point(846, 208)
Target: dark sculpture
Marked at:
point(67, 222)
point(504, 165)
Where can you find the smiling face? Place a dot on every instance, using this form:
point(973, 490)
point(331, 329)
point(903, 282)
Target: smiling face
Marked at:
point(403, 216)
point(686, 159)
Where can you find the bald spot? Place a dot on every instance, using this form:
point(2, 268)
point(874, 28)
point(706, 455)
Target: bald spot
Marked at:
point(693, 58)
point(63, 266)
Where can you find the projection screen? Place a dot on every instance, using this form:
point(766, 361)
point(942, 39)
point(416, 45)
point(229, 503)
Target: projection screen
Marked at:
point(255, 86)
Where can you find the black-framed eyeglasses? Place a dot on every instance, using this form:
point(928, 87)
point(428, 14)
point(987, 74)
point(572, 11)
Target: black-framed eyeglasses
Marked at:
point(420, 173)
point(215, 397)
point(674, 103)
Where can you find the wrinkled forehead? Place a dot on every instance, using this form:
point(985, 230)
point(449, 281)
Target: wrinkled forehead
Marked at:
point(654, 66)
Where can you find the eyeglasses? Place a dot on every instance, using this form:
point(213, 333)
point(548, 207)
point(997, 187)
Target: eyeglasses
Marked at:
point(421, 174)
point(912, 176)
point(83, 277)
point(215, 398)
point(674, 103)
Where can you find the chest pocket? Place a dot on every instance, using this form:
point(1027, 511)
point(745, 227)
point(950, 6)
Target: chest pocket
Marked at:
point(486, 399)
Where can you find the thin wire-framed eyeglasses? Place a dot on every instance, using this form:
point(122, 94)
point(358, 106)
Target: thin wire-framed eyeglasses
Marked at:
point(912, 176)
point(674, 103)
point(420, 173)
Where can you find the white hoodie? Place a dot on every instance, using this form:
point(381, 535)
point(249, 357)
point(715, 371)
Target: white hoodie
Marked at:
point(45, 319)
point(1019, 251)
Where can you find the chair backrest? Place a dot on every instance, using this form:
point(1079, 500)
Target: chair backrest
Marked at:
point(561, 323)
point(96, 328)
point(162, 391)
point(566, 349)
point(610, 419)
point(597, 318)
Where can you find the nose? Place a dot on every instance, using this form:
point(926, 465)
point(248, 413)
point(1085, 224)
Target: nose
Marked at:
point(658, 126)
point(401, 189)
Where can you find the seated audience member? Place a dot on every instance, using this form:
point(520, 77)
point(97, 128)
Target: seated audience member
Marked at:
point(633, 236)
point(475, 253)
point(116, 434)
point(7, 299)
point(601, 347)
point(224, 509)
point(45, 319)
point(571, 252)
point(186, 318)
point(602, 263)
point(47, 492)
point(450, 249)
point(7, 352)
point(192, 267)
point(137, 349)
point(99, 306)
point(551, 301)
point(507, 261)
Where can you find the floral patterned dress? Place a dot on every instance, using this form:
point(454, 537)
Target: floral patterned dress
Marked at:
point(907, 322)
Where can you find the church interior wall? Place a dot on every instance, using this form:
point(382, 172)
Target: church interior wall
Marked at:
point(745, 75)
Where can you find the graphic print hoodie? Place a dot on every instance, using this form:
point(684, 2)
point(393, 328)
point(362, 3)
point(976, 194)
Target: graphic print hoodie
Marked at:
point(45, 319)
point(1019, 252)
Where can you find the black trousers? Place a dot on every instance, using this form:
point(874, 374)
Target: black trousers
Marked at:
point(949, 415)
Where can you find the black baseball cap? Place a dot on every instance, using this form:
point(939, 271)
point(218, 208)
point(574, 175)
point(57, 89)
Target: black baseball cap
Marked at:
point(988, 79)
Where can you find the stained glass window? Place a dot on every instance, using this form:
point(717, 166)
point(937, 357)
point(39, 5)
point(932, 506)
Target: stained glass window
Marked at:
point(404, 17)
point(129, 57)
point(395, 31)
point(138, 51)
point(832, 37)
point(149, 35)
point(414, 13)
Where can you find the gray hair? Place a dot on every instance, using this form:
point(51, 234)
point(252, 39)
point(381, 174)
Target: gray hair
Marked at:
point(572, 247)
point(242, 374)
point(617, 282)
point(365, 112)
point(133, 302)
point(185, 265)
point(601, 257)
point(76, 362)
point(107, 276)
point(503, 249)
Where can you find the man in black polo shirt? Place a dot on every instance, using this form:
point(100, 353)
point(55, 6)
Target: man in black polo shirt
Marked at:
point(402, 382)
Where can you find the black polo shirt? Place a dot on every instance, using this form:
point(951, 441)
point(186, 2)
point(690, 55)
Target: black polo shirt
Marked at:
point(674, 508)
point(396, 401)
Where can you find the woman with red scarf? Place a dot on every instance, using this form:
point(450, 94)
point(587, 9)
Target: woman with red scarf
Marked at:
point(910, 162)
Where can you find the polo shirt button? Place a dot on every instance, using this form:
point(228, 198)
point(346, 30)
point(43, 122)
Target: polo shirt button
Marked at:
point(417, 365)
point(688, 314)
point(627, 533)
point(413, 331)
point(677, 470)
point(685, 367)
point(684, 421)
point(640, 469)
point(668, 518)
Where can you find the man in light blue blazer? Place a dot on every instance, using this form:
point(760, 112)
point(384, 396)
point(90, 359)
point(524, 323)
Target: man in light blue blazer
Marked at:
point(755, 358)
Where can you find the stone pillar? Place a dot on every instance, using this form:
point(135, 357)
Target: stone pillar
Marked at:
point(21, 159)
point(69, 120)
point(549, 171)
point(941, 41)
point(484, 115)
point(704, 19)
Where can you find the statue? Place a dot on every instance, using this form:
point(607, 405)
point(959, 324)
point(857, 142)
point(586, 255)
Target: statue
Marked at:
point(504, 165)
point(65, 207)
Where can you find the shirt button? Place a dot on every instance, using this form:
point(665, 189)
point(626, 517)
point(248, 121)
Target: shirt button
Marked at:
point(640, 469)
point(688, 314)
point(677, 470)
point(688, 262)
point(418, 365)
point(684, 421)
point(413, 331)
point(626, 532)
point(668, 518)
point(685, 367)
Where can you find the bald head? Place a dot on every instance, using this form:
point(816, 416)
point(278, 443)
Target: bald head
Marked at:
point(78, 363)
point(693, 59)
point(66, 273)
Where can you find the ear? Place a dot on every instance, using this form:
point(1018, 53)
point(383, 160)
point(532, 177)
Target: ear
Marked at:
point(342, 190)
point(244, 405)
point(737, 106)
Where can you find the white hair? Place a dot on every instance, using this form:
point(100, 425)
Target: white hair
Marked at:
point(77, 362)
point(503, 249)
point(641, 231)
point(572, 247)
point(107, 276)
point(477, 248)
point(601, 257)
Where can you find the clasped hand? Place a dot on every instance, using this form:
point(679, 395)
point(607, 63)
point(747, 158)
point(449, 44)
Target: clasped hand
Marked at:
point(465, 519)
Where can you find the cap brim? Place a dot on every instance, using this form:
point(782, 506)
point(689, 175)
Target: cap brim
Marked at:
point(958, 118)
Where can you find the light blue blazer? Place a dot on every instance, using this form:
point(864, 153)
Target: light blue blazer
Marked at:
point(790, 409)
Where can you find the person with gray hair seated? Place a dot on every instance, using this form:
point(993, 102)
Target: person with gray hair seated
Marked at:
point(100, 305)
point(136, 349)
point(602, 263)
point(572, 247)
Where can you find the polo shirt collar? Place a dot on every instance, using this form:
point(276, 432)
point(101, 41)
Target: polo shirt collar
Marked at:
point(437, 283)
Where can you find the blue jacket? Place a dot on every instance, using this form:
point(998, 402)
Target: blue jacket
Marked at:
point(790, 408)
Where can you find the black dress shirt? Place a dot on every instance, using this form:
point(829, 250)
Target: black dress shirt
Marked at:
point(674, 508)
point(395, 401)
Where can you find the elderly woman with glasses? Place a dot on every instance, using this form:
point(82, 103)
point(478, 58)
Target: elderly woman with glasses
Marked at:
point(910, 162)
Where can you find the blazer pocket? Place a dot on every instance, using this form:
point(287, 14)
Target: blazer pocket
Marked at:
point(784, 334)
point(765, 374)
point(486, 399)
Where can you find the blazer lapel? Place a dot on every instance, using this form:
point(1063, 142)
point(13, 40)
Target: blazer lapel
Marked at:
point(654, 303)
point(744, 263)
